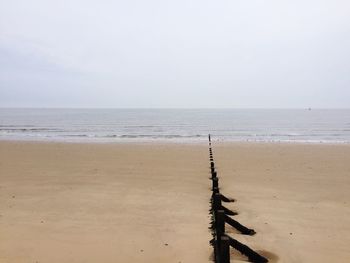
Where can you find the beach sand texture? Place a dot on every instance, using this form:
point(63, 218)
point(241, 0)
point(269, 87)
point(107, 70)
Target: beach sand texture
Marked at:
point(149, 202)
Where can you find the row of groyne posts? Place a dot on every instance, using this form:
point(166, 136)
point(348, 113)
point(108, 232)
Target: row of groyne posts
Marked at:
point(220, 217)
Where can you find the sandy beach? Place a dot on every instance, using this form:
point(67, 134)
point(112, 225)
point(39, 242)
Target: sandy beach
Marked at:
point(62, 202)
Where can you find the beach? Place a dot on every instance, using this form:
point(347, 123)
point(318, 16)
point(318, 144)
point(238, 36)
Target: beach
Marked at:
point(149, 202)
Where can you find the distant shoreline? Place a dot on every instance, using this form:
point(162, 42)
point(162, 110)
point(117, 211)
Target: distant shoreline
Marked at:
point(166, 142)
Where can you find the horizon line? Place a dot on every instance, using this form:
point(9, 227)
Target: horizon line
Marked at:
point(182, 108)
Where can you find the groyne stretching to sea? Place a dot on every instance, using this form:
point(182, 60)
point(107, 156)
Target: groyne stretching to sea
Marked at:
point(220, 216)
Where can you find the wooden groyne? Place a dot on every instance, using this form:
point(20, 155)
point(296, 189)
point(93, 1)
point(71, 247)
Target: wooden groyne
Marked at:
point(221, 216)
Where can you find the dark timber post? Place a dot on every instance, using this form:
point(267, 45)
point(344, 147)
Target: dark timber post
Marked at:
point(216, 202)
point(220, 223)
point(215, 182)
point(215, 190)
point(224, 249)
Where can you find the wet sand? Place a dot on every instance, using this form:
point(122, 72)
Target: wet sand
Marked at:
point(149, 202)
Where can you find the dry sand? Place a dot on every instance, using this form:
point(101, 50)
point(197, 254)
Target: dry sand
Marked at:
point(149, 202)
point(295, 196)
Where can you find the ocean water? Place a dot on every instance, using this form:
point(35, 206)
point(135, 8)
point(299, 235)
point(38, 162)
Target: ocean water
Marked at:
point(180, 125)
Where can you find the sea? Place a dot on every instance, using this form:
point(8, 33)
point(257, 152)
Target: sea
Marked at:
point(176, 125)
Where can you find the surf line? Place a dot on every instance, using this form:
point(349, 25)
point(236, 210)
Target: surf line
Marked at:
point(220, 216)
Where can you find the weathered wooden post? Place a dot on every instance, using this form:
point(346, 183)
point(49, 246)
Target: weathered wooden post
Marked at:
point(224, 249)
point(215, 190)
point(220, 222)
point(215, 182)
point(212, 167)
point(219, 230)
point(216, 202)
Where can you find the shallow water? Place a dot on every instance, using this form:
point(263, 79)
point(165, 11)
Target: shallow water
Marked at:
point(187, 125)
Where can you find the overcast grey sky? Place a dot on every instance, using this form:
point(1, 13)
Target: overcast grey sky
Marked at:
point(180, 53)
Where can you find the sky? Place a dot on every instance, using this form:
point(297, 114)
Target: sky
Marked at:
point(175, 54)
